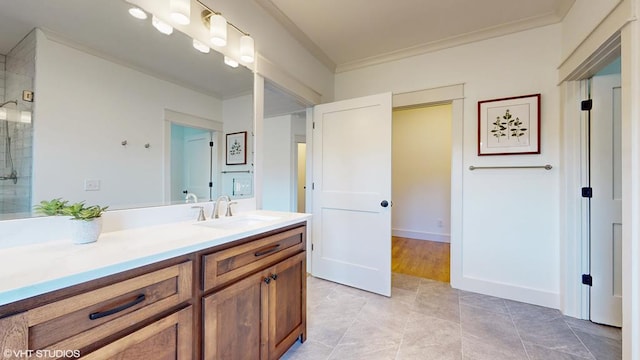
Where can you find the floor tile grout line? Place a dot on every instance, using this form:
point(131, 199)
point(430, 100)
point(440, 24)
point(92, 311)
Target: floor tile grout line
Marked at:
point(579, 339)
point(460, 326)
point(348, 328)
point(515, 326)
point(406, 323)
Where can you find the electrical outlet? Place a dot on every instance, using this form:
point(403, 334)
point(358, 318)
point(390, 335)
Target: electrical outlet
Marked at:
point(91, 185)
point(440, 223)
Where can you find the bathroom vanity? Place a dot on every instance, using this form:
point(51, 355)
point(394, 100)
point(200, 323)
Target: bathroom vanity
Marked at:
point(228, 289)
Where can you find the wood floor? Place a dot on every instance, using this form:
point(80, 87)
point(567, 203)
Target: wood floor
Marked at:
point(427, 259)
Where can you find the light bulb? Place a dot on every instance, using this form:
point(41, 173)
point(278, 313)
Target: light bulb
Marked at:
point(246, 49)
point(161, 26)
point(138, 13)
point(218, 30)
point(229, 61)
point(180, 11)
point(200, 46)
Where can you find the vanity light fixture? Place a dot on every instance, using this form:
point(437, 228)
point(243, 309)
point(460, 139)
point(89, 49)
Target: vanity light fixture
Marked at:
point(246, 49)
point(198, 45)
point(218, 30)
point(138, 13)
point(229, 61)
point(217, 25)
point(180, 11)
point(161, 26)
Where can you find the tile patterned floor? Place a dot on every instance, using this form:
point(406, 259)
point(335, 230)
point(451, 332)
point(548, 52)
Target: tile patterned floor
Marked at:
point(426, 319)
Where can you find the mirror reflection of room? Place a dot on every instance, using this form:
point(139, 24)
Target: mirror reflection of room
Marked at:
point(285, 126)
point(97, 127)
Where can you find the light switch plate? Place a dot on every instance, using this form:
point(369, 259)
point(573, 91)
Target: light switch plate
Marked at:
point(91, 185)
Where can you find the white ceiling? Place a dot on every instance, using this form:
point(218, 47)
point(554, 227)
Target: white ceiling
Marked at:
point(352, 33)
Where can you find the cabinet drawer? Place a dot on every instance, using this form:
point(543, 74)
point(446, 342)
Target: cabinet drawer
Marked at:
point(224, 266)
point(167, 338)
point(78, 321)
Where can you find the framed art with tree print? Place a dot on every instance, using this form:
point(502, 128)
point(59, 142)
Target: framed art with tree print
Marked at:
point(237, 148)
point(509, 126)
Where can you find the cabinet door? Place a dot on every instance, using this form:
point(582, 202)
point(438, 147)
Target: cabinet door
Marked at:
point(169, 338)
point(287, 304)
point(234, 321)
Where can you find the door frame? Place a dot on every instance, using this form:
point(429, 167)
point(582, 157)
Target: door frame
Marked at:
point(453, 94)
point(179, 118)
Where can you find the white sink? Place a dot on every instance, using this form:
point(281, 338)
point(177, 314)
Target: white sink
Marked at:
point(238, 221)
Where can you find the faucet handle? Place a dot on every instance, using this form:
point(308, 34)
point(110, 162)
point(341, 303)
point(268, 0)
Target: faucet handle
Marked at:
point(229, 213)
point(201, 216)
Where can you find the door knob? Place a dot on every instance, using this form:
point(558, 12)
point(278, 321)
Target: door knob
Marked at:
point(384, 203)
point(267, 280)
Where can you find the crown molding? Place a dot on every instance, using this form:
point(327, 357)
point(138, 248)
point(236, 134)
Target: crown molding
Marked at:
point(470, 37)
point(298, 34)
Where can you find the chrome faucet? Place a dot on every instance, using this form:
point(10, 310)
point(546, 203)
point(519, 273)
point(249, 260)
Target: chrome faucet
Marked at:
point(201, 216)
point(216, 206)
point(191, 196)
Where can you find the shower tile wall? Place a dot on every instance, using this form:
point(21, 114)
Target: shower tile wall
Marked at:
point(18, 76)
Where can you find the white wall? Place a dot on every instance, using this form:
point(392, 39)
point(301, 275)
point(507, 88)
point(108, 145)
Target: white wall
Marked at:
point(86, 106)
point(510, 236)
point(238, 116)
point(422, 173)
point(278, 152)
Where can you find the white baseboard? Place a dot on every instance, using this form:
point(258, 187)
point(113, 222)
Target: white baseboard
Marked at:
point(509, 291)
point(421, 235)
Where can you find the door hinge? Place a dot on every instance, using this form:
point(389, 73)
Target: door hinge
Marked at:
point(211, 143)
point(586, 105)
point(210, 184)
point(311, 247)
point(313, 186)
point(313, 125)
point(587, 192)
point(587, 279)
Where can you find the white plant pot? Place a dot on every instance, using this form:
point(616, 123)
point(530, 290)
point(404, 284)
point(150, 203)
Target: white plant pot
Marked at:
point(86, 231)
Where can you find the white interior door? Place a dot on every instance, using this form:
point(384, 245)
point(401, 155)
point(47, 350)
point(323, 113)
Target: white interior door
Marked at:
point(198, 164)
point(352, 193)
point(606, 203)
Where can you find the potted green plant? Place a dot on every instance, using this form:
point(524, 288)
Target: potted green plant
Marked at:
point(88, 221)
point(51, 207)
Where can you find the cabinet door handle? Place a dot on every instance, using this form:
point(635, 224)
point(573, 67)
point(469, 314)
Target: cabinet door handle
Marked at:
point(274, 276)
point(267, 251)
point(97, 315)
point(267, 280)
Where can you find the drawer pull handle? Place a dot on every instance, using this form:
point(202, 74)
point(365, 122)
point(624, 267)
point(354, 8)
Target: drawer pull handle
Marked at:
point(268, 251)
point(101, 314)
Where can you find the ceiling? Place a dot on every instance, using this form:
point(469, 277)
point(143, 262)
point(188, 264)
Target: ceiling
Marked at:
point(104, 28)
point(355, 33)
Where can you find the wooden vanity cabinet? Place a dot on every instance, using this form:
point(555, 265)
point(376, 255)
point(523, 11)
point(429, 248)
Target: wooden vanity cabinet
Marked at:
point(241, 300)
point(258, 317)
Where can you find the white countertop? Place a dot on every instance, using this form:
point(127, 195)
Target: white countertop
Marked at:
point(31, 270)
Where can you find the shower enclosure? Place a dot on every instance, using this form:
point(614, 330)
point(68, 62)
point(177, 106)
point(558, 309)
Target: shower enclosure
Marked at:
point(17, 69)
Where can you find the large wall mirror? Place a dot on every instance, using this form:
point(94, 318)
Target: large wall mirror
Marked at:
point(284, 149)
point(99, 106)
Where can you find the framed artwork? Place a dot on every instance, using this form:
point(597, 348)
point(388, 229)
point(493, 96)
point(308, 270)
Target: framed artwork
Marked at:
point(509, 126)
point(237, 148)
